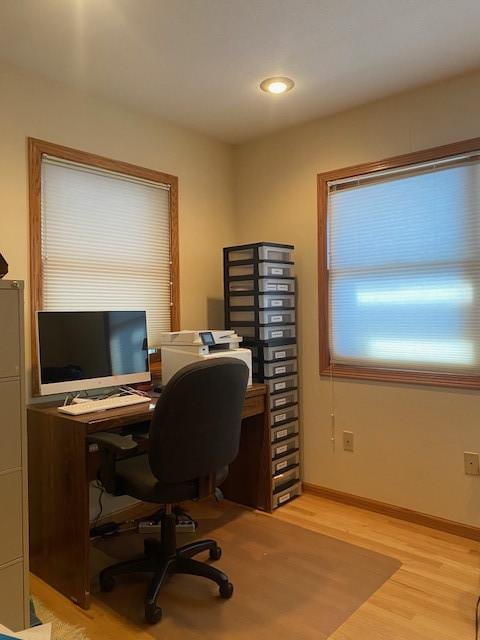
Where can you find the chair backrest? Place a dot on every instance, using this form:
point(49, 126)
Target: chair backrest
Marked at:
point(195, 429)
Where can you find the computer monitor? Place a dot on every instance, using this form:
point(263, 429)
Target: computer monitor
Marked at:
point(91, 349)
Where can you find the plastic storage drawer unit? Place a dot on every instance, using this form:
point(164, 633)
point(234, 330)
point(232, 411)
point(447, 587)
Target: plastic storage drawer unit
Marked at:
point(278, 382)
point(260, 304)
point(283, 432)
point(285, 463)
point(285, 479)
point(286, 285)
point(270, 316)
point(281, 416)
point(282, 301)
point(282, 384)
point(286, 495)
point(276, 385)
point(275, 269)
point(286, 447)
point(265, 333)
point(267, 301)
point(283, 399)
point(261, 269)
point(261, 372)
point(276, 253)
point(282, 368)
point(262, 285)
point(280, 352)
point(260, 251)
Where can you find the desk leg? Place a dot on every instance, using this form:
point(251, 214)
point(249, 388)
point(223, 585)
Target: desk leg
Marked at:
point(58, 505)
point(249, 480)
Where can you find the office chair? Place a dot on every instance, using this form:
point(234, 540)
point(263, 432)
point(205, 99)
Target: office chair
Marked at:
point(194, 435)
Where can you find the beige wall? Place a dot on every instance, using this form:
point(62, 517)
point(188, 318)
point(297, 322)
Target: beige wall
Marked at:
point(32, 106)
point(409, 441)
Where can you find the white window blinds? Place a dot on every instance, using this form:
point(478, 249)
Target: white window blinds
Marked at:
point(105, 242)
point(404, 268)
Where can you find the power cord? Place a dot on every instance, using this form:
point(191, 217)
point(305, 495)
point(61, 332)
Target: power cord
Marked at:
point(98, 485)
point(132, 391)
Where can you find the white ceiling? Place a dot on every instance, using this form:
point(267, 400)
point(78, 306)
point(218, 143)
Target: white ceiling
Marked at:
point(199, 62)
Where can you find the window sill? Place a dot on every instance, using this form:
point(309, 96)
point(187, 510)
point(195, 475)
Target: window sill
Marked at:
point(429, 378)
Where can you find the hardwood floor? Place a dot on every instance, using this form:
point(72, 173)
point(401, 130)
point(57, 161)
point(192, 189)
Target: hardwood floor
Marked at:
point(431, 597)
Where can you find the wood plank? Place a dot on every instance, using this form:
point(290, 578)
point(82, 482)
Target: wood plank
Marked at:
point(99, 622)
point(58, 504)
point(449, 526)
point(249, 479)
point(124, 416)
point(423, 601)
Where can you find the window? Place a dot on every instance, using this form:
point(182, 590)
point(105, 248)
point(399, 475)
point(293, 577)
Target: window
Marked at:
point(103, 236)
point(400, 268)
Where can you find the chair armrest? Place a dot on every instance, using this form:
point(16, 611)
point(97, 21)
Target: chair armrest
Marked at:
point(112, 441)
point(110, 446)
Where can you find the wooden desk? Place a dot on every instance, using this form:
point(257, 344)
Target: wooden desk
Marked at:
point(61, 466)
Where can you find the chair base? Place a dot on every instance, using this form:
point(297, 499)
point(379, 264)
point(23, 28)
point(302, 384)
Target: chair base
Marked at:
point(155, 560)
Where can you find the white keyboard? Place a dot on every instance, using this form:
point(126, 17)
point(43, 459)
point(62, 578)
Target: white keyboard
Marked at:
point(90, 406)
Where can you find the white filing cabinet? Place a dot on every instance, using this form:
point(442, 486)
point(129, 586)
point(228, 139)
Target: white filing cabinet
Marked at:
point(14, 591)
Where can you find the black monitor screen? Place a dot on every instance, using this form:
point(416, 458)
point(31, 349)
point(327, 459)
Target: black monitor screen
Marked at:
point(78, 345)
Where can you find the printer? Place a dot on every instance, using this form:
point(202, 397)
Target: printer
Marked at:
point(179, 348)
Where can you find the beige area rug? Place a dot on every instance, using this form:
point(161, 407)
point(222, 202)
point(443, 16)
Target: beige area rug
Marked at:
point(60, 630)
point(290, 583)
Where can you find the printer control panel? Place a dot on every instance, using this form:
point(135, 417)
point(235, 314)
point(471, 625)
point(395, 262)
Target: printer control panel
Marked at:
point(207, 338)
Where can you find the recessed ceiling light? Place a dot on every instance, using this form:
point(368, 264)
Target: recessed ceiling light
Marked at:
point(276, 85)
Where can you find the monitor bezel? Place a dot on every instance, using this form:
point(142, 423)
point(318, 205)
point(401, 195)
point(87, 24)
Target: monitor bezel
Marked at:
point(70, 386)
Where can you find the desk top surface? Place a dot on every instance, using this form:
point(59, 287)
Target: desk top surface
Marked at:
point(138, 412)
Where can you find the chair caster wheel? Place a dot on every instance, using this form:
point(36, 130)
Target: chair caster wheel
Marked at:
point(153, 614)
point(226, 590)
point(215, 554)
point(107, 583)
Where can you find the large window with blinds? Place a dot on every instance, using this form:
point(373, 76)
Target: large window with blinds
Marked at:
point(400, 268)
point(103, 236)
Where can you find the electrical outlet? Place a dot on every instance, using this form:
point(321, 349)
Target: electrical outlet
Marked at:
point(348, 441)
point(472, 463)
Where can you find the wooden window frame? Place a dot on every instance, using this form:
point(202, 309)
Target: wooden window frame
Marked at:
point(379, 374)
point(36, 150)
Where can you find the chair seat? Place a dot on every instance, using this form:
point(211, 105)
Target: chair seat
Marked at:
point(135, 479)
